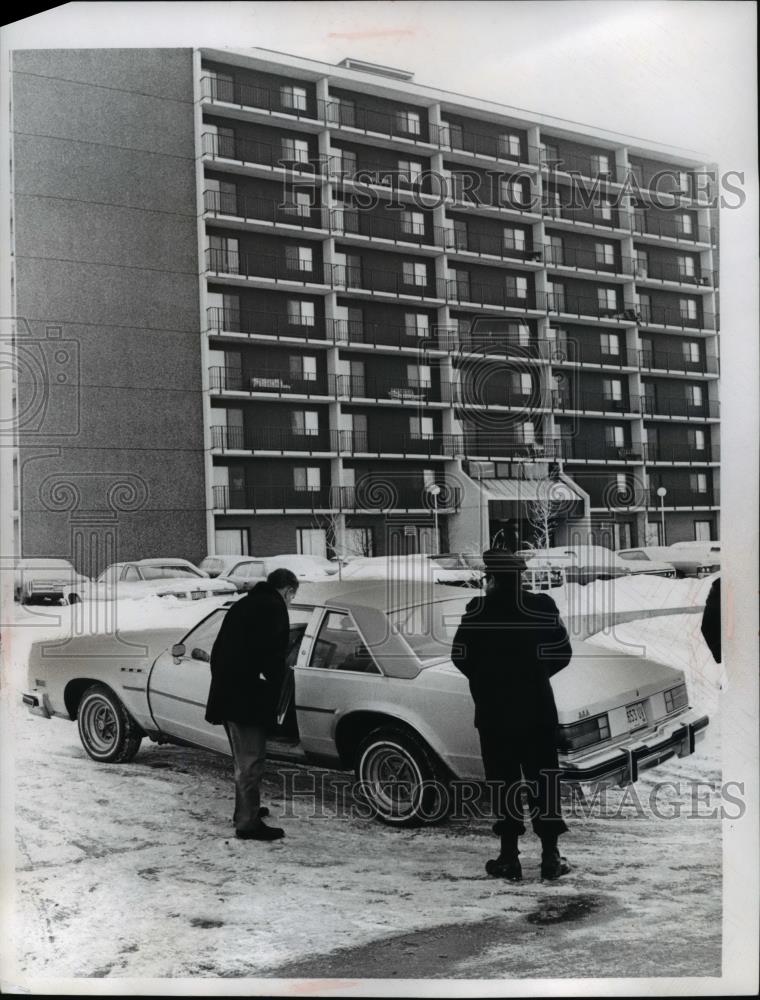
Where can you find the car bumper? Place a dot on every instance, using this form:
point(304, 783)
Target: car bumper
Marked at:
point(37, 703)
point(621, 766)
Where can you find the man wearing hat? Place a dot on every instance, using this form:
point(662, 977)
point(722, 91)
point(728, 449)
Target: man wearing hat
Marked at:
point(508, 645)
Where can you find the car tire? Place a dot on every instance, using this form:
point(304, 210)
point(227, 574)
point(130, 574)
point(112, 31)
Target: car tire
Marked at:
point(75, 599)
point(108, 732)
point(400, 778)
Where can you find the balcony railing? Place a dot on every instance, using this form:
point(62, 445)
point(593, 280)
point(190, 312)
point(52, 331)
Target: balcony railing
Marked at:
point(494, 294)
point(267, 380)
point(265, 324)
point(572, 352)
point(679, 407)
point(353, 221)
point(396, 124)
point(673, 316)
point(388, 442)
point(599, 451)
point(614, 497)
point(473, 392)
point(345, 331)
point(389, 282)
point(272, 498)
point(586, 260)
point(585, 164)
point(572, 306)
point(484, 243)
point(274, 439)
point(677, 362)
point(366, 172)
point(384, 495)
point(254, 265)
point(684, 498)
point(666, 270)
point(495, 445)
point(684, 453)
point(594, 402)
point(399, 389)
point(644, 225)
point(246, 95)
point(493, 147)
point(498, 345)
point(264, 210)
point(249, 151)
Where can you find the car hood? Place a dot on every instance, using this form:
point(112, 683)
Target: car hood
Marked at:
point(179, 585)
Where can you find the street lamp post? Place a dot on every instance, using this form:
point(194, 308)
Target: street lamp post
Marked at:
point(661, 493)
point(434, 490)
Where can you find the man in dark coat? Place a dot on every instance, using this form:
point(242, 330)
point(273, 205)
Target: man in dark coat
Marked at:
point(247, 672)
point(711, 620)
point(508, 645)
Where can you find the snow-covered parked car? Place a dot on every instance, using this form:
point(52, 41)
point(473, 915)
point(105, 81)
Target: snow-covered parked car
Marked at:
point(641, 563)
point(373, 689)
point(578, 563)
point(417, 567)
point(48, 581)
point(247, 571)
point(162, 577)
point(683, 558)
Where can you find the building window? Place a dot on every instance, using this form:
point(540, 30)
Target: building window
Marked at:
point(303, 367)
point(295, 150)
point(298, 258)
point(344, 162)
point(690, 351)
point(687, 267)
point(522, 383)
point(698, 481)
point(220, 196)
point(512, 192)
point(614, 436)
point(607, 299)
point(307, 479)
point(621, 482)
point(413, 223)
point(293, 98)
point(556, 294)
point(645, 307)
point(603, 211)
point(528, 432)
point(605, 253)
point(518, 333)
point(549, 155)
point(421, 428)
point(298, 203)
point(683, 182)
point(342, 112)
point(409, 171)
point(610, 343)
point(359, 542)
point(451, 135)
point(231, 541)
point(654, 533)
point(696, 439)
point(703, 531)
point(417, 324)
point(516, 286)
point(684, 224)
point(311, 542)
point(514, 239)
point(694, 395)
point(219, 86)
point(300, 313)
point(414, 273)
point(419, 376)
point(688, 308)
point(641, 263)
point(225, 257)
point(613, 389)
point(459, 283)
point(305, 423)
point(556, 249)
point(510, 146)
point(600, 165)
point(219, 141)
point(408, 121)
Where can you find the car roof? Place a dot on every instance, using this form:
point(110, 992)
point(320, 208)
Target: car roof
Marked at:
point(387, 595)
point(158, 561)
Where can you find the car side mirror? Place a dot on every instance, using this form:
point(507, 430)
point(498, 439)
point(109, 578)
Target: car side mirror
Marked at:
point(178, 650)
point(200, 654)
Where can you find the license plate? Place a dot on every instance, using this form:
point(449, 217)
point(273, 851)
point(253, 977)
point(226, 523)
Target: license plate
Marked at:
point(636, 715)
point(197, 595)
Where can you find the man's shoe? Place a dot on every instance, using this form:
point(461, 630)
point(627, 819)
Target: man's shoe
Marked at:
point(553, 865)
point(261, 832)
point(508, 868)
point(263, 811)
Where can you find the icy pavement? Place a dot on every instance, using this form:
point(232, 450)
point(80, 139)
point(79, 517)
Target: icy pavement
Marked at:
point(130, 871)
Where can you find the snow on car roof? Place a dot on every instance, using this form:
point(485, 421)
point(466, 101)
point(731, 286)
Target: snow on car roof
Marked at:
point(386, 595)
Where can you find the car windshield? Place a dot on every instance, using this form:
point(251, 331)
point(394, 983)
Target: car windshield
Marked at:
point(167, 572)
point(429, 628)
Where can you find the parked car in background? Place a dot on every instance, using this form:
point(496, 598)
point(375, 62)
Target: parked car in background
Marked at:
point(373, 690)
point(640, 563)
point(48, 581)
point(420, 567)
point(214, 565)
point(579, 563)
point(162, 577)
point(245, 572)
point(702, 559)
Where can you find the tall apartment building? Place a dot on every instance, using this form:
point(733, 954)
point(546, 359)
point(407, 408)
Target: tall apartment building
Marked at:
point(317, 303)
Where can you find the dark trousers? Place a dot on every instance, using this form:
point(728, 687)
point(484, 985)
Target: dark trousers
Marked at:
point(508, 760)
point(248, 744)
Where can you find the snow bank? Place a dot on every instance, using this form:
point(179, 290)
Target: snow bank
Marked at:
point(631, 593)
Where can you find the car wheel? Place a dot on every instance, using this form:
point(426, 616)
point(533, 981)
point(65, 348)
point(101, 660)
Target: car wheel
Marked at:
point(400, 778)
point(108, 732)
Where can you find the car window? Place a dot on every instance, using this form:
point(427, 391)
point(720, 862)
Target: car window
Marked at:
point(130, 573)
point(203, 635)
point(339, 646)
point(295, 640)
point(167, 572)
point(634, 555)
point(249, 570)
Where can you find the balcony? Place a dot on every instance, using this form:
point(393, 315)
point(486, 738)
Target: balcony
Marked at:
point(573, 450)
point(398, 390)
point(494, 344)
point(583, 164)
point(571, 352)
point(367, 172)
point(265, 324)
point(248, 152)
point(348, 222)
point(593, 402)
point(666, 361)
point(680, 407)
point(614, 498)
point(665, 270)
point(490, 147)
point(258, 266)
point(281, 100)
point(386, 443)
point(276, 440)
point(475, 392)
point(377, 496)
point(272, 498)
point(271, 382)
point(586, 260)
point(498, 295)
point(672, 229)
point(496, 445)
point(591, 309)
point(243, 208)
point(674, 317)
point(358, 333)
point(680, 454)
point(394, 125)
point(484, 244)
point(683, 499)
point(393, 283)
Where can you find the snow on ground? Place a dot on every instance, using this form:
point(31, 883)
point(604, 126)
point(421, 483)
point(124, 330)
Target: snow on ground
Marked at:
point(130, 870)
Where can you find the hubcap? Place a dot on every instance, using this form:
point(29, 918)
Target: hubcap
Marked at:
point(392, 780)
point(100, 725)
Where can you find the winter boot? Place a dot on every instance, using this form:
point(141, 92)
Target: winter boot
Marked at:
point(553, 865)
point(507, 865)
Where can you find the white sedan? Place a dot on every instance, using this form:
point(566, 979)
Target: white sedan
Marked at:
point(160, 577)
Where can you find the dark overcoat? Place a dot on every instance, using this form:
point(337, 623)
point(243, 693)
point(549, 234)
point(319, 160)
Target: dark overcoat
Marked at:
point(711, 620)
point(248, 659)
point(508, 645)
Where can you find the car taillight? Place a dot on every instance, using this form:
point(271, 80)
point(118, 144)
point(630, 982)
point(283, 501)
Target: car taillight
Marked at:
point(582, 734)
point(675, 698)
